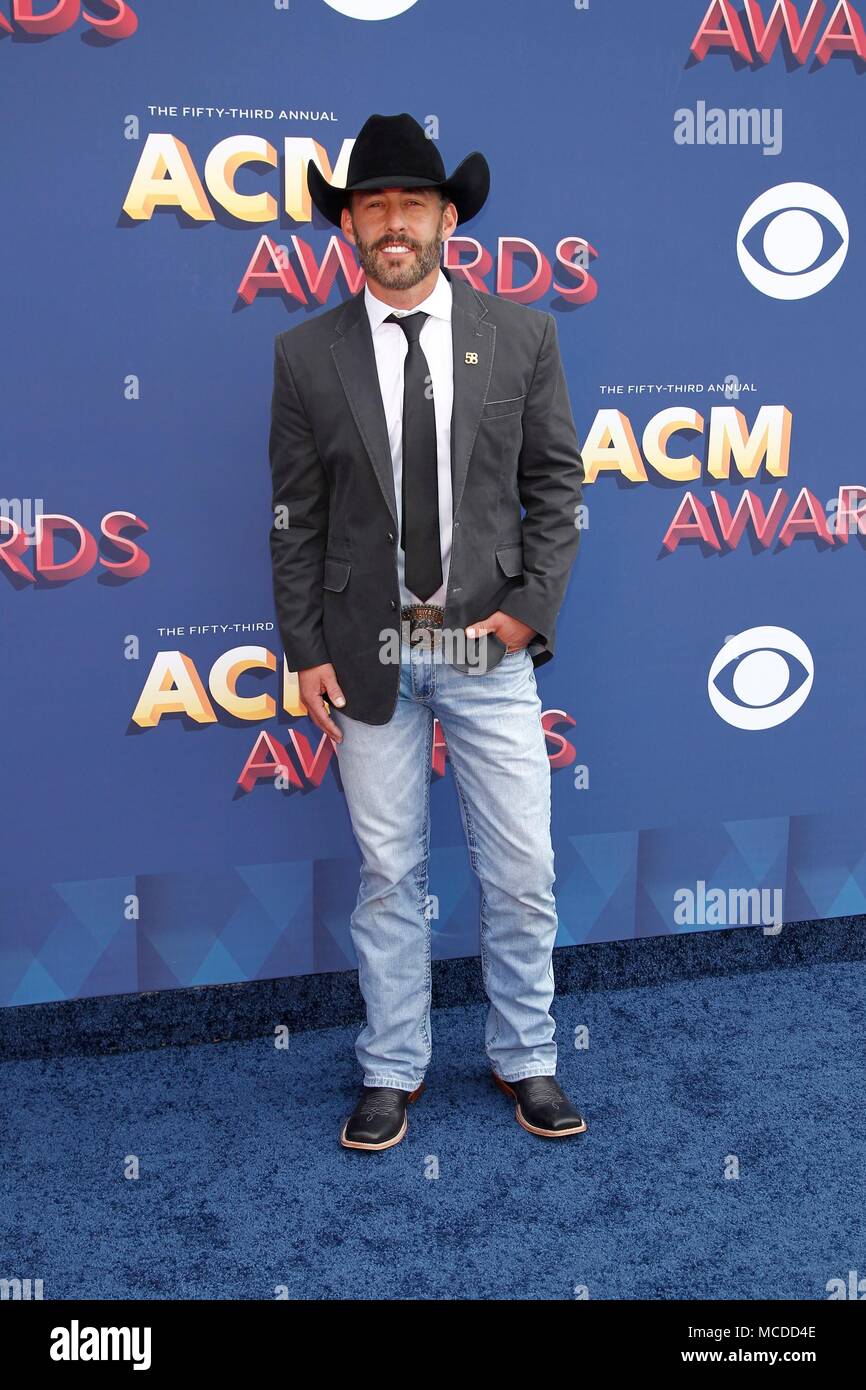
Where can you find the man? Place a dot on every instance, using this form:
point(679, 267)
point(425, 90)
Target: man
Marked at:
point(409, 427)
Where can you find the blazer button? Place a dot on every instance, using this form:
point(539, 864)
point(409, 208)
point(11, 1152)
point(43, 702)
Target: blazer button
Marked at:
point(393, 604)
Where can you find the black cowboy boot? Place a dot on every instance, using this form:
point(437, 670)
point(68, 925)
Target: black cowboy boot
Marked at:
point(543, 1107)
point(379, 1119)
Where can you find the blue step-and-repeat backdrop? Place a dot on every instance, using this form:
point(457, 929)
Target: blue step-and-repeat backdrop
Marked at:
point(680, 184)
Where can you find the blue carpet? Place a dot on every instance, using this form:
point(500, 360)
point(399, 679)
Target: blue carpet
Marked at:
point(244, 1189)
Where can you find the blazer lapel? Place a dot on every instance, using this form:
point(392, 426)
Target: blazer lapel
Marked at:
point(473, 341)
point(355, 359)
point(473, 344)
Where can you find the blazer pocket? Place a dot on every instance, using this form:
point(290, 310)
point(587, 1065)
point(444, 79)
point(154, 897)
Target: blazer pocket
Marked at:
point(510, 558)
point(336, 575)
point(492, 409)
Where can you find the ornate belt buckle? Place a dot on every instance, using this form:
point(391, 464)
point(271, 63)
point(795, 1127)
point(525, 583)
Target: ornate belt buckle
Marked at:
point(426, 617)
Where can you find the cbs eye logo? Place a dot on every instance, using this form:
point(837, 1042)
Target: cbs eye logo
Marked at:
point(371, 9)
point(792, 240)
point(761, 676)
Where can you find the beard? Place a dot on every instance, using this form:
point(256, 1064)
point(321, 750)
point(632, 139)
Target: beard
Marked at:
point(377, 266)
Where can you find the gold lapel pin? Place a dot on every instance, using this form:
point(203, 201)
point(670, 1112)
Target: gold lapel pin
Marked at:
point(471, 359)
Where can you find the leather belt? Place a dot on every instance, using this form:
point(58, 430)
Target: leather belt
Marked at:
point(428, 616)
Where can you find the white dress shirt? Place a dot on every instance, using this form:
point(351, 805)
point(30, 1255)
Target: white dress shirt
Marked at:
point(391, 347)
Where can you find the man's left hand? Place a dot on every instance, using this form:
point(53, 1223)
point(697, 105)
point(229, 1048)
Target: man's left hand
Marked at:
point(511, 631)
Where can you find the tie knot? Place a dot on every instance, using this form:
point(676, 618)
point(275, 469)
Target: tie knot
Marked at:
point(411, 324)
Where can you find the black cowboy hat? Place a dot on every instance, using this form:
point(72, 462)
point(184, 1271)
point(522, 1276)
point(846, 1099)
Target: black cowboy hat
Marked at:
point(394, 152)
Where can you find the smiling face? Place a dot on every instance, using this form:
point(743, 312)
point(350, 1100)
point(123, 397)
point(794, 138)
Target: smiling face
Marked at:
point(399, 233)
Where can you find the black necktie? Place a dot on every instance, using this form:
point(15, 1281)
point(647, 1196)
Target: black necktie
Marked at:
point(420, 529)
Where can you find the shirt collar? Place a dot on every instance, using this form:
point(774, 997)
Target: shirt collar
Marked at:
point(437, 303)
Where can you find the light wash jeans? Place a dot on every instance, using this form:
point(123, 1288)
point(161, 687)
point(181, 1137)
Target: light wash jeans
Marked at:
point(498, 756)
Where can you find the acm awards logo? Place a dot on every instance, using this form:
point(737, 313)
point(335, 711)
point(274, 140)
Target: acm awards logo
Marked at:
point(166, 177)
point(26, 20)
point(723, 28)
point(29, 553)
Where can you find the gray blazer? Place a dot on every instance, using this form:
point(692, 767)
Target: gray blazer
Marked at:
point(334, 535)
